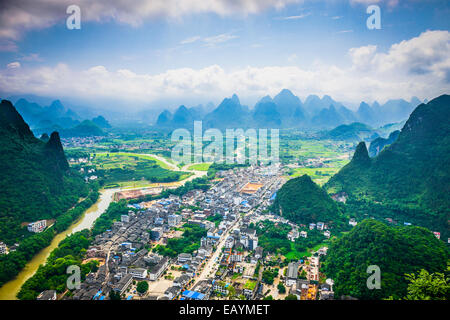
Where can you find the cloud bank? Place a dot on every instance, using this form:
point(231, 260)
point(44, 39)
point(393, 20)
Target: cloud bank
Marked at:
point(416, 67)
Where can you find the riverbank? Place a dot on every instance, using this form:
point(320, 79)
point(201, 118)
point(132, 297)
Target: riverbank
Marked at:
point(10, 289)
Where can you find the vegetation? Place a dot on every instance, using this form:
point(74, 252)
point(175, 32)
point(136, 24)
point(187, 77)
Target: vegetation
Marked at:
point(302, 201)
point(395, 250)
point(106, 220)
point(409, 180)
point(426, 286)
point(36, 180)
point(188, 243)
point(52, 275)
point(142, 287)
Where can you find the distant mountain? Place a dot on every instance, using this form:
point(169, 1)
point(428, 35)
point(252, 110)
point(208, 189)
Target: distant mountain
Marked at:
point(302, 201)
point(327, 118)
point(182, 118)
point(164, 119)
point(229, 114)
point(36, 180)
point(86, 128)
point(351, 132)
point(54, 114)
point(410, 180)
point(290, 108)
point(266, 114)
point(377, 145)
point(395, 250)
point(290, 112)
point(101, 122)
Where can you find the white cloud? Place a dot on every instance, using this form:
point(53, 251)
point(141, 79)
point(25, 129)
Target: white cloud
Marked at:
point(19, 16)
point(301, 16)
point(210, 41)
point(13, 65)
point(416, 67)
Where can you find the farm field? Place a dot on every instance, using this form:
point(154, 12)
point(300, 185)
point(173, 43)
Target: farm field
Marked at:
point(200, 166)
point(133, 169)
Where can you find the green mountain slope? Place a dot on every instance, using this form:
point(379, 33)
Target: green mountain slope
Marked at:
point(395, 250)
point(35, 176)
point(410, 179)
point(302, 201)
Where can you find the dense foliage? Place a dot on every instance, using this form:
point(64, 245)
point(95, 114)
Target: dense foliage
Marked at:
point(36, 180)
point(396, 250)
point(302, 201)
point(113, 213)
point(410, 179)
point(11, 264)
point(188, 243)
point(52, 275)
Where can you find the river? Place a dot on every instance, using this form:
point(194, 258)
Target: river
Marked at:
point(10, 289)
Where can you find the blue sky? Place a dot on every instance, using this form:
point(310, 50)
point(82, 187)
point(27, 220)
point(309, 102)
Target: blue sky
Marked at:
point(301, 42)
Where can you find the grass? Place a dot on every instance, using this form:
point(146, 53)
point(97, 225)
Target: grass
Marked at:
point(318, 175)
point(118, 159)
point(200, 166)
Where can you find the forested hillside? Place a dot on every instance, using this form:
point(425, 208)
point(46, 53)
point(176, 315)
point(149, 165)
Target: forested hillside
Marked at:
point(395, 250)
point(409, 180)
point(36, 180)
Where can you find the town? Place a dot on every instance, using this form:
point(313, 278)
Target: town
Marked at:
point(228, 264)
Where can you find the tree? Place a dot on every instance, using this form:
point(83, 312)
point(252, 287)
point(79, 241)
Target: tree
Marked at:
point(142, 287)
point(426, 286)
point(268, 298)
point(291, 297)
point(113, 295)
point(281, 288)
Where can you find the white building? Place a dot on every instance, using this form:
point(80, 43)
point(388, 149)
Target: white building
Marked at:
point(37, 226)
point(2, 248)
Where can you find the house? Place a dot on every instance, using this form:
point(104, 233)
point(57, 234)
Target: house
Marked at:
point(37, 226)
point(221, 287)
point(125, 218)
point(312, 226)
point(173, 220)
point(47, 295)
point(303, 234)
point(320, 225)
point(124, 283)
point(3, 248)
point(139, 273)
point(182, 280)
point(184, 257)
point(291, 274)
point(293, 234)
point(352, 222)
point(259, 252)
point(327, 234)
point(156, 270)
point(172, 292)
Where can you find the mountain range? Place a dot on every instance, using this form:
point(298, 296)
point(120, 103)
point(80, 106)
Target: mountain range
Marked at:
point(286, 110)
point(56, 117)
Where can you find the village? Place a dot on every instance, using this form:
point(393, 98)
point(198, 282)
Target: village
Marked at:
point(228, 263)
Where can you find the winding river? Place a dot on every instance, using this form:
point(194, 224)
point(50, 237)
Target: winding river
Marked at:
point(10, 289)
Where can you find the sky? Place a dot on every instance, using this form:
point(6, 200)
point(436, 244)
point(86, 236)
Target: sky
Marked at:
point(146, 54)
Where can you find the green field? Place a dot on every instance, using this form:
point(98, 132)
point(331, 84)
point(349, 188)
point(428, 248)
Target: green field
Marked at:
point(133, 169)
point(318, 175)
point(200, 166)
